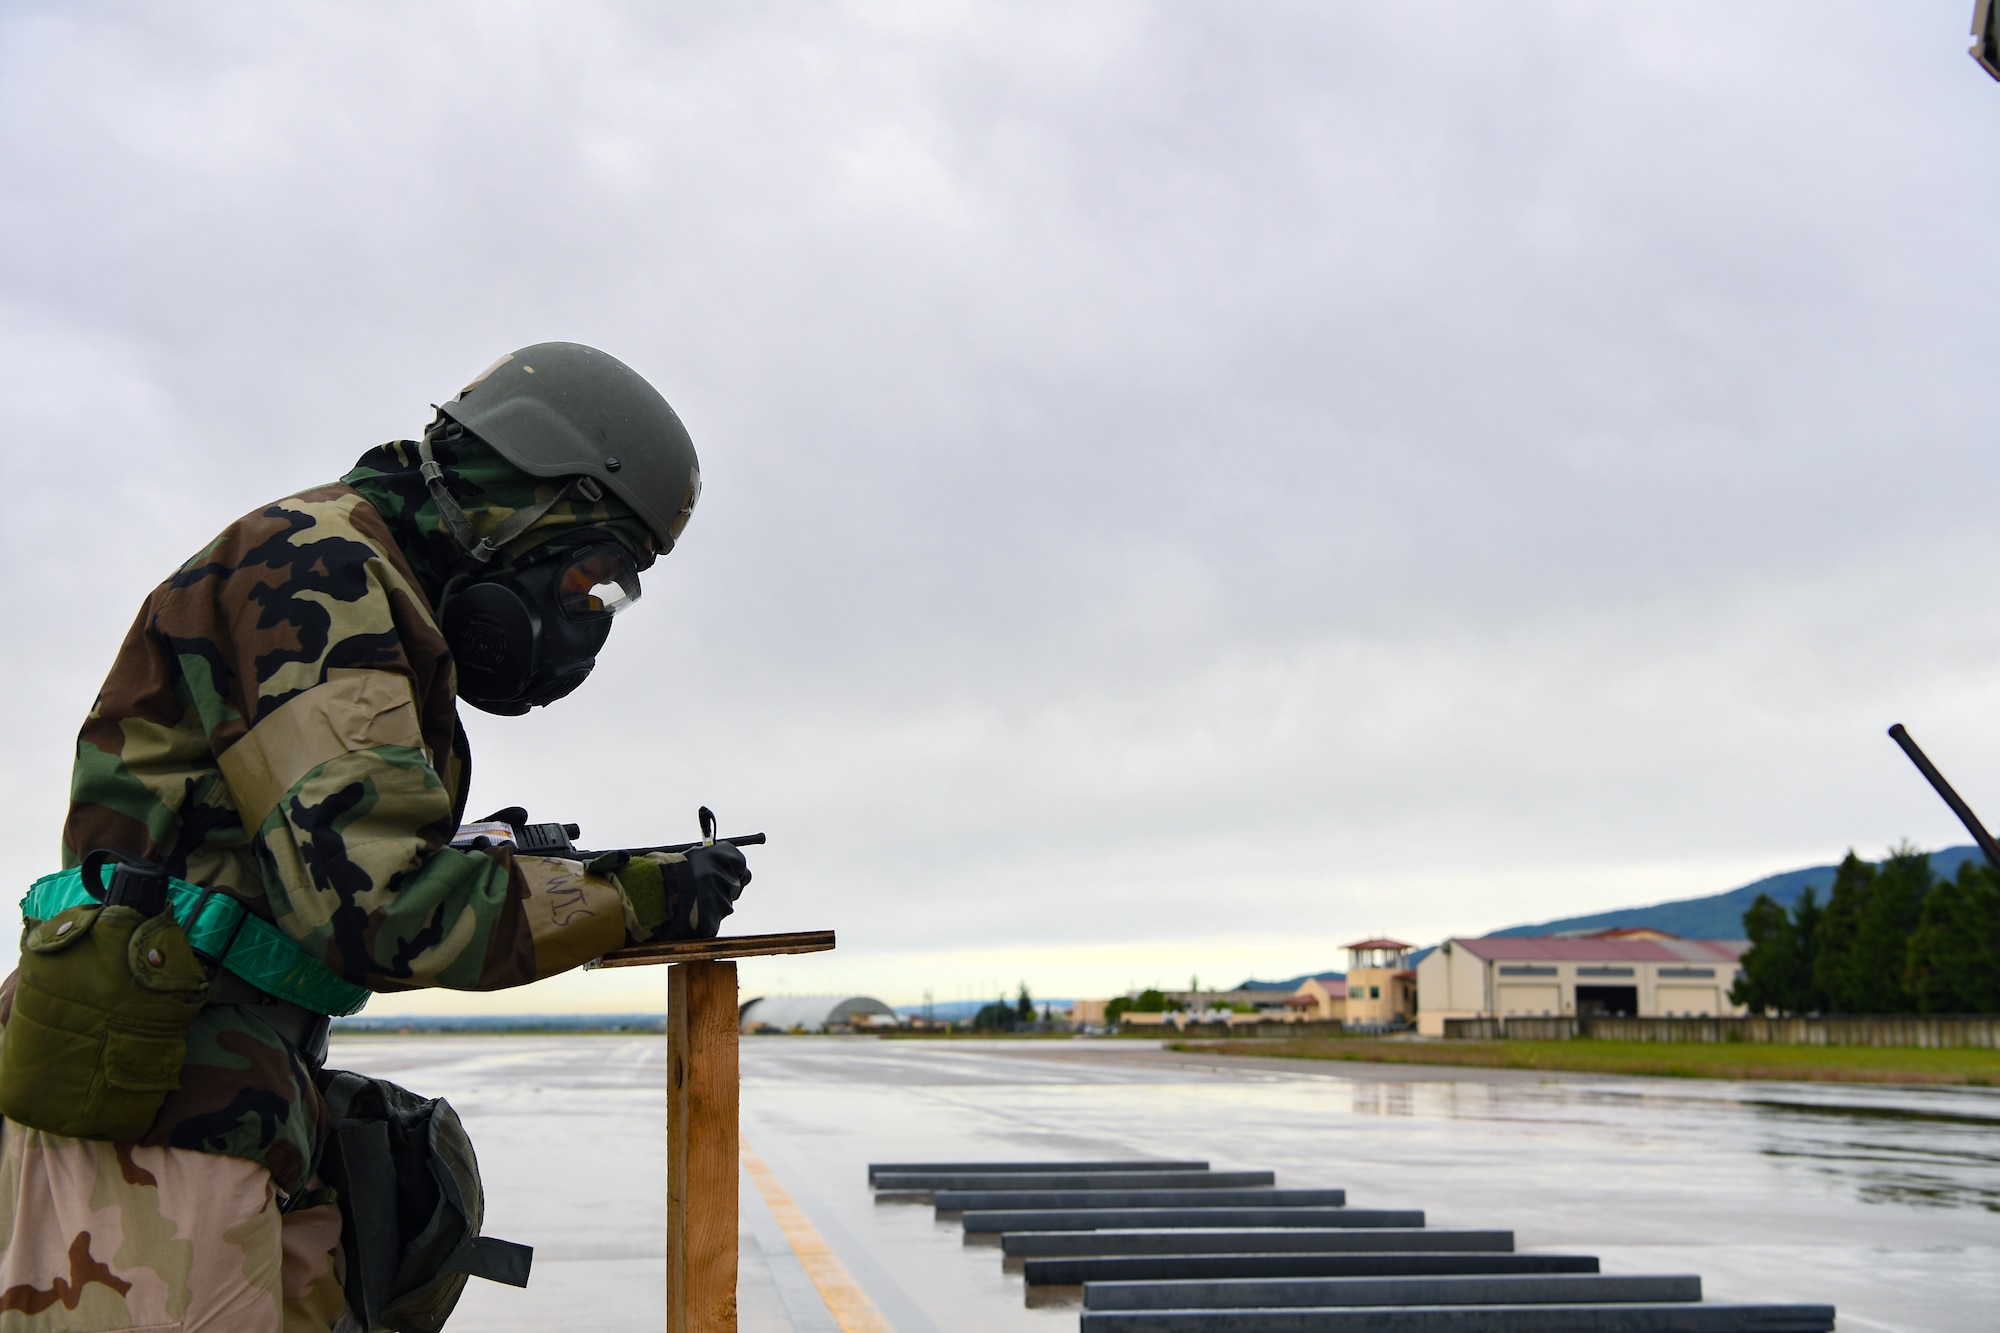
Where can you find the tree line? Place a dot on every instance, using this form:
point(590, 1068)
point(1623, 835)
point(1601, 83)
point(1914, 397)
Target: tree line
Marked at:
point(1004, 1015)
point(1147, 1001)
point(1889, 939)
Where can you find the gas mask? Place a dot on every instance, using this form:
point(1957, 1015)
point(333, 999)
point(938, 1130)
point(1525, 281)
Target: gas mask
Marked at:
point(527, 634)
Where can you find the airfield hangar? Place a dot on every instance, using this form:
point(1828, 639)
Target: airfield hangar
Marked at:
point(816, 1013)
point(1636, 973)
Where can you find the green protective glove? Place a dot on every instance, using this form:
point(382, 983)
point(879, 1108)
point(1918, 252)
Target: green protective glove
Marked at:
point(679, 896)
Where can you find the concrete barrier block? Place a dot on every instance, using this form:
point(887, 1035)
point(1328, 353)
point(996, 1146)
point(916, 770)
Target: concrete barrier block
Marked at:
point(1130, 1219)
point(1071, 1180)
point(1182, 1267)
point(1042, 1244)
point(990, 1168)
point(1474, 1319)
point(1458, 1289)
point(953, 1201)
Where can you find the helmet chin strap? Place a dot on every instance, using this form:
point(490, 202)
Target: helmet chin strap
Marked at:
point(482, 550)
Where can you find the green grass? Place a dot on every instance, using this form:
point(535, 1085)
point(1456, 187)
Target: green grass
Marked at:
point(1837, 1064)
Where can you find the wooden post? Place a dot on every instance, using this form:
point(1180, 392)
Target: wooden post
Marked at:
point(701, 1115)
point(701, 1147)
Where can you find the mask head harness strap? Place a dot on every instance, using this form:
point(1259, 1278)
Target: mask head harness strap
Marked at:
point(482, 550)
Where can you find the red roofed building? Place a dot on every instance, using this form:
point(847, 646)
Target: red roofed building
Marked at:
point(1615, 973)
point(1319, 998)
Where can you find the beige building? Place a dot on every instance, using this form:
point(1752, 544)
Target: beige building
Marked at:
point(1642, 974)
point(1381, 988)
point(1319, 999)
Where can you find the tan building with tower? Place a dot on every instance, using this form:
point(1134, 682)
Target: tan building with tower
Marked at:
point(1634, 973)
point(1381, 988)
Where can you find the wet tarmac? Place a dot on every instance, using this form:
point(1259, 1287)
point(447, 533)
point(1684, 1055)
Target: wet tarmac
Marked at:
point(1885, 1202)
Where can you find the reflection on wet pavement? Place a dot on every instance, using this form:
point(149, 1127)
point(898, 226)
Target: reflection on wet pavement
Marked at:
point(1920, 1155)
point(1878, 1200)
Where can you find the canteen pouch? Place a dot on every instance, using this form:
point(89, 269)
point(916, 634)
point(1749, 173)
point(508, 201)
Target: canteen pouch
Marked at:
point(410, 1205)
point(98, 1030)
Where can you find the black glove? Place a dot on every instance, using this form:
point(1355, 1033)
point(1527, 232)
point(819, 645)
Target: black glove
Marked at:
point(680, 896)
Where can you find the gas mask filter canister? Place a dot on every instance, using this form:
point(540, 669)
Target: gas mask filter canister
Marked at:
point(529, 634)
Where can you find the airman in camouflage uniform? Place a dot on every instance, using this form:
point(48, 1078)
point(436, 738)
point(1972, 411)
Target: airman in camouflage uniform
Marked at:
point(281, 724)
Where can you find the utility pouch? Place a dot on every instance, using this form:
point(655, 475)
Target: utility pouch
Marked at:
point(106, 993)
point(410, 1205)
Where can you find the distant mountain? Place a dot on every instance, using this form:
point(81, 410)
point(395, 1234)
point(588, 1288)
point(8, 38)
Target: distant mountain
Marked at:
point(1720, 916)
point(1291, 985)
point(958, 1011)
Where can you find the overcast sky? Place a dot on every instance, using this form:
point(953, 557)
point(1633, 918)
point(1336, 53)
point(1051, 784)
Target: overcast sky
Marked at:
point(1187, 486)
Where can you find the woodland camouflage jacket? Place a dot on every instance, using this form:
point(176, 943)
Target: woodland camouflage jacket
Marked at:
point(281, 724)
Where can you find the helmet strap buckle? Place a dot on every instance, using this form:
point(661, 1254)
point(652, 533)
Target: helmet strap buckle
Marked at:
point(485, 548)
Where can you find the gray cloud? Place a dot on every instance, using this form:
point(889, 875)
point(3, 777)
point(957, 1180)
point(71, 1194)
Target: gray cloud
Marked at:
point(1184, 483)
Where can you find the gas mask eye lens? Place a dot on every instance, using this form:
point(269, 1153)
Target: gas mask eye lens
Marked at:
point(597, 581)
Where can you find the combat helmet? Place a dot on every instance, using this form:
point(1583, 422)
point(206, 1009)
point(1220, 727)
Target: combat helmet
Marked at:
point(566, 410)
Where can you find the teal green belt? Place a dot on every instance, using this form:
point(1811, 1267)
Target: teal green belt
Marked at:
point(224, 930)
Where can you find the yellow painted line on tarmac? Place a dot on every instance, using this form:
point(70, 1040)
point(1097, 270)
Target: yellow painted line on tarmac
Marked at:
point(845, 1301)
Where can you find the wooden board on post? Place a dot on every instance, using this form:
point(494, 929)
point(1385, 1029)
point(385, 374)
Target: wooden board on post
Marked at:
point(726, 946)
point(701, 1147)
point(702, 1115)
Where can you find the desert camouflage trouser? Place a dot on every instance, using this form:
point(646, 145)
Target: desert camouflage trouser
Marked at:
point(101, 1236)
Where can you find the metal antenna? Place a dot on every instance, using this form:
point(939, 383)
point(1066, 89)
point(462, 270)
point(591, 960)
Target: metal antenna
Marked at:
point(1951, 798)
